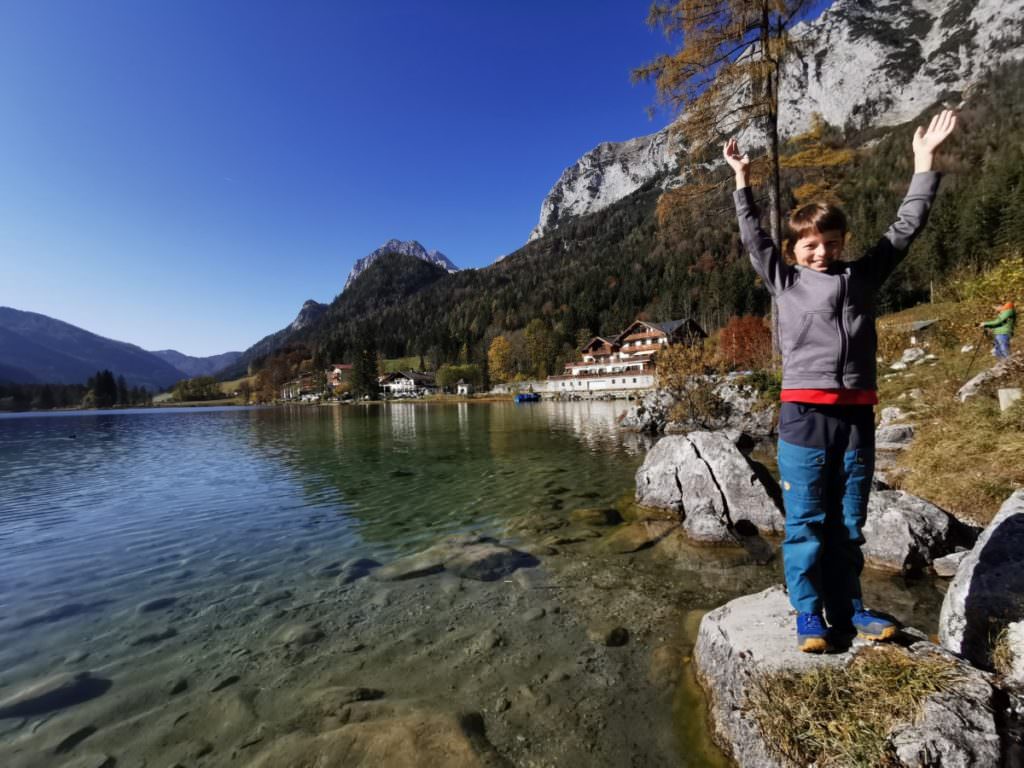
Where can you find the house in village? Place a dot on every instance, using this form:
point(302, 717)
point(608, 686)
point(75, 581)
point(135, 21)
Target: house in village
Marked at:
point(463, 387)
point(626, 361)
point(302, 388)
point(407, 384)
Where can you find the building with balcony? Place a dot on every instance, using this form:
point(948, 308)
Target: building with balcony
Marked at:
point(626, 361)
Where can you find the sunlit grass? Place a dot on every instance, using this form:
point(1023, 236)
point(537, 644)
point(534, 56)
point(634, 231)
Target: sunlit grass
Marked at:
point(841, 716)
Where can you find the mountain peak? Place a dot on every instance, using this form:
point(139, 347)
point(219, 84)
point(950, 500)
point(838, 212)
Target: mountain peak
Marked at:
point(407, 247)
point(309, 314)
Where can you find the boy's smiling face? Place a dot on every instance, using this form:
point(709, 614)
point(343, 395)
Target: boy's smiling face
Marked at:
point(818, 250)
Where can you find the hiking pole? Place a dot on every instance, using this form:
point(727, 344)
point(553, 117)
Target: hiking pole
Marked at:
point(974, 357)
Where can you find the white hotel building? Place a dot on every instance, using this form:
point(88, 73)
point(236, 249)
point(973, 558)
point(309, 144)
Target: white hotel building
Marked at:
point(623, 362)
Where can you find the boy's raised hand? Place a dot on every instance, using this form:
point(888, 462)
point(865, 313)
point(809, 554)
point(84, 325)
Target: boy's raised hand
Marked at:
point(927, 141)
point(740, 164)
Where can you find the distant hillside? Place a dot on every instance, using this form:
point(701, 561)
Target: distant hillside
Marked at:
point(311, 312)
point(390, 279)
point(196, 366)
point(37, 348)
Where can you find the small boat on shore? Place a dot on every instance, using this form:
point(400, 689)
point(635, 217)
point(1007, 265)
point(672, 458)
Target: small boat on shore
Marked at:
point(527, 397)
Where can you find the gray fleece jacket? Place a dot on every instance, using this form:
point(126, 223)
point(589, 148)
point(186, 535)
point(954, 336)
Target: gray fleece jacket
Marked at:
point(827, 319)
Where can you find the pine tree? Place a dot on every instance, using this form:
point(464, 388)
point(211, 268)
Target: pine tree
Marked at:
point(364, 367)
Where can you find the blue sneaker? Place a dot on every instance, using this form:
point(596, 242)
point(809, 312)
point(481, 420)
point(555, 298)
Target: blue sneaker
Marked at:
point(811, 633)
point(871, 626)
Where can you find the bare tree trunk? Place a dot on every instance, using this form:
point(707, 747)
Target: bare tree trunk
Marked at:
point(774, 183)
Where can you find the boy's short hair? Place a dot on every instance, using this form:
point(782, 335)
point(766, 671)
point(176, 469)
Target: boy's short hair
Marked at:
point(813, 218)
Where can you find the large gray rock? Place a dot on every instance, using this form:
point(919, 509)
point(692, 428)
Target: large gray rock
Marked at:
point(746, 496)
point(705, 478)
point(913, 355)
point(1000, 370)
point(754, 635)
point(893, 437)
point(905, 533)
point(987, 593)
point(650, 415)
point(890, 415)
point(746, 410)
point(743, 410)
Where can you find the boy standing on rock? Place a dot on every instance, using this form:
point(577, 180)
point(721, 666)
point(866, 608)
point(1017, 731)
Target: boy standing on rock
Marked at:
point(825, 309)
point(1002, 329)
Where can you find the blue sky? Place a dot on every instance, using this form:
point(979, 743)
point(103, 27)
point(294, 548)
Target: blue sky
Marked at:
point(185, 174)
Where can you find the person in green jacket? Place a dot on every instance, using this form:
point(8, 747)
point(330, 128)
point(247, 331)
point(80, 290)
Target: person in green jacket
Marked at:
point(1002, 329)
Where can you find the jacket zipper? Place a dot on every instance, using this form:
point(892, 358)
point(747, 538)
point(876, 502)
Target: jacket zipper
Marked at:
point(841, 322)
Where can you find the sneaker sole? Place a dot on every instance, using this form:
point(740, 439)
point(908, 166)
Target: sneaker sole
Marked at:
point(814, 645)
point(885, 634)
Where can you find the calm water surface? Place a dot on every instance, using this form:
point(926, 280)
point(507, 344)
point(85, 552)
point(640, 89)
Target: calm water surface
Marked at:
point(101, 510)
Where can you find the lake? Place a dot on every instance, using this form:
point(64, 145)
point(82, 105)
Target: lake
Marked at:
point(197, 564)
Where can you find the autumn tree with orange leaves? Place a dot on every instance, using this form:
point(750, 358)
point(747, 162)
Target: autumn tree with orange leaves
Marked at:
point(724, 77)
point(745, 343)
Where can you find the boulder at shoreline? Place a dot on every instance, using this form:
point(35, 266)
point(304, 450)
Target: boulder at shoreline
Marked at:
point(752, 637)
point(705, 479)
point(905, 533)
point(987, 592)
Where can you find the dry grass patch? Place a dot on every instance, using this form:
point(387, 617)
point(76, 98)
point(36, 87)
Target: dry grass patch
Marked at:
point(836, 716)
point(1002, 652)
point(966, 457)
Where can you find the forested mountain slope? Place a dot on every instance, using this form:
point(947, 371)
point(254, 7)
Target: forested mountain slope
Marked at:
point(595, 273)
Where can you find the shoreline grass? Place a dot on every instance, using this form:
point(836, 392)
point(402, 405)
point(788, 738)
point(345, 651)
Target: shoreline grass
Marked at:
point(842, 716)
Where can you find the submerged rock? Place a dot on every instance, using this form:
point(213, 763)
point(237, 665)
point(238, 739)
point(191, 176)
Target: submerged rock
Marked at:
point(633, 537)
point(987, 593)
point(158, 604)
point(710, 484)
point(595, 516)
point(300, 634)
point(91, 760)
point(397, 736)
point(470, 556)
point(609, 634)
point(356, 569)
point(754, 635)
point(53, 693)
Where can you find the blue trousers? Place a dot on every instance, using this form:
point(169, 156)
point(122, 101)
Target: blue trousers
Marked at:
point(826, 461)
point(1001, 345)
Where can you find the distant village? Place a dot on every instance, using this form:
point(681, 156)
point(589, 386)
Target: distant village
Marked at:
point(608, 366)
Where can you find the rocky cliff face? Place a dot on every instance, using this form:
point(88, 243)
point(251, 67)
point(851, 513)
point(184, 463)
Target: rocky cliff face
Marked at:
point(407, 247)
point(860, 63)
point(311, 312)
point(604, 175)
